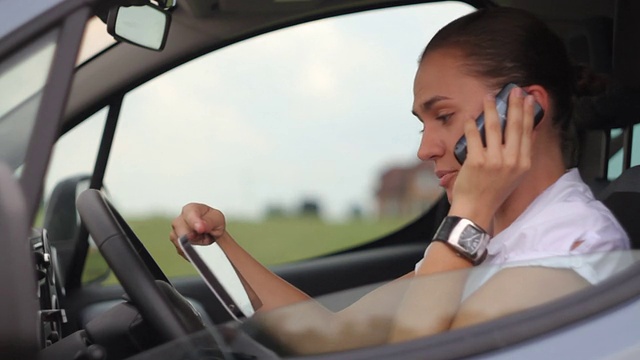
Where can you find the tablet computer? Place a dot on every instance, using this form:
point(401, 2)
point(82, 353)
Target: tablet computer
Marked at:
point(226, 283)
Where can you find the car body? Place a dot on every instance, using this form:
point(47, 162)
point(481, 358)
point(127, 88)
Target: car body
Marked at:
point(58, 92)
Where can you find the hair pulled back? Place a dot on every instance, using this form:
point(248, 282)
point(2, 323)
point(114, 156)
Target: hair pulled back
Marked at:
point(502, 45)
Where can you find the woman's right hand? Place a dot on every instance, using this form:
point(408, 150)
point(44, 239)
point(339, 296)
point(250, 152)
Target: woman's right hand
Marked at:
point(492, 172)
point(201, 224)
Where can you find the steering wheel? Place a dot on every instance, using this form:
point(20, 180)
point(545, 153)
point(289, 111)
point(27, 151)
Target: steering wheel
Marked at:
point(148, 288)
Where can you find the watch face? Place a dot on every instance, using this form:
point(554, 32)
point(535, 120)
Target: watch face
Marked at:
point(470, 239)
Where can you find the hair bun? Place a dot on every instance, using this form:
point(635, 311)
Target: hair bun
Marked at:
point(589, 83)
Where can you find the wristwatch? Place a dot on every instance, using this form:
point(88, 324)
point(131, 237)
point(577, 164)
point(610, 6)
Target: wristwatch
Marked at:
point(464, 237)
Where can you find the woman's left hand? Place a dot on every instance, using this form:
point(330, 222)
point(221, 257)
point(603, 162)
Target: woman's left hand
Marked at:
point(490, 174)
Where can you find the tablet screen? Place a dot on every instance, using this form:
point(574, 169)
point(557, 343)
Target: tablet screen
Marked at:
point(219, 274)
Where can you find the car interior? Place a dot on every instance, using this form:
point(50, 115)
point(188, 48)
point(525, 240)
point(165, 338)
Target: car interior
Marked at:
point(603, 35)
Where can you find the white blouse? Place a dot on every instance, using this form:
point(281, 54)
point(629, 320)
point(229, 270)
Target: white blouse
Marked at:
point(566, 213)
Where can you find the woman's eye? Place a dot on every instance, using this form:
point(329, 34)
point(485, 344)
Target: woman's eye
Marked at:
point(444, 117)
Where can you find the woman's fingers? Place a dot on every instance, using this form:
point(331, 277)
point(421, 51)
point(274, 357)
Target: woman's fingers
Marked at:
point(514, 127)
point(491, 173)
point(199, 222)
point(492, 130)
point(514, 151)
point(475, 148)
point(527, 132)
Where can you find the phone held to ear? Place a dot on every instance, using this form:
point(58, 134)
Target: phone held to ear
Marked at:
point(502, 102)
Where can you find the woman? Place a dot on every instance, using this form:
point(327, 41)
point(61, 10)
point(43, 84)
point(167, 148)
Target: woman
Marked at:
point(513, 196)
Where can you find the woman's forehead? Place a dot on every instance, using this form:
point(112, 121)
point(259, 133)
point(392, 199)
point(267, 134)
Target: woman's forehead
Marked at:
point(441, 74)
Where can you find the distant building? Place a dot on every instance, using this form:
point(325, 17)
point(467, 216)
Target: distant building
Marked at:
point(407, 191)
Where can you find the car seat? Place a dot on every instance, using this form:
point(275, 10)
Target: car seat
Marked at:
point(622, 197)
point(619, 108)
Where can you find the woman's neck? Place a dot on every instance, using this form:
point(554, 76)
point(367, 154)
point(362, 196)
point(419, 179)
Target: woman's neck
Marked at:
point(535, 182)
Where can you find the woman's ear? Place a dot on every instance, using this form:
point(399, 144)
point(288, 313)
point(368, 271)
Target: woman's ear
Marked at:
point(541, 96)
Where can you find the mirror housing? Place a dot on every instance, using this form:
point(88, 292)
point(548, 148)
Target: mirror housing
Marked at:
point(145, 25)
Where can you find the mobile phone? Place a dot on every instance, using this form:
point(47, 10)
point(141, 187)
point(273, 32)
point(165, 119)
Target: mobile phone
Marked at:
point(502, 102)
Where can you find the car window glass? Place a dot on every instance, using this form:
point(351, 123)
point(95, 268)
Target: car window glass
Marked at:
point(76, 151)
point(290, 134)
point(29, 68)
point(74, 155)
point(420, 307)
point(616, 161)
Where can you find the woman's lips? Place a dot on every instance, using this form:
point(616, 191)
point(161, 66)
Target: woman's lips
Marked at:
point(446, 177)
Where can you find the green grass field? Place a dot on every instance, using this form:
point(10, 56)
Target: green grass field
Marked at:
point(274, 241)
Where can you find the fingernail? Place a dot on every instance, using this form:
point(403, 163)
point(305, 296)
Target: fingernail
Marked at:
point(529, 99)
point(517, 92)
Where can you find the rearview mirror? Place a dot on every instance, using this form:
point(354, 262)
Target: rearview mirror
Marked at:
point(146, 26)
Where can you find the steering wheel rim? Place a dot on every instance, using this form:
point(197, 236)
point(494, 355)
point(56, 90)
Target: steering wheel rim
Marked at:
point(155, 303)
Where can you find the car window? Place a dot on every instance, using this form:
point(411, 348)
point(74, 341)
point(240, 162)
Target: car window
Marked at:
point(28, 67)
point(449, 301)
point(75, 152)
point(303, 137)
point(74, 156)
point(616, 161)
point(430, 305)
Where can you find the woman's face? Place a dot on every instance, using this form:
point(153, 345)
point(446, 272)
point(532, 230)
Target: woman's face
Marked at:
point(444, 97)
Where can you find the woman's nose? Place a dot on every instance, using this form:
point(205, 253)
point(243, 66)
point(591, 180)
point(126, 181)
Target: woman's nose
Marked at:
point(431, 145)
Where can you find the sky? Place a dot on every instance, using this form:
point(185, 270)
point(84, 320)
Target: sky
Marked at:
point(316, 112)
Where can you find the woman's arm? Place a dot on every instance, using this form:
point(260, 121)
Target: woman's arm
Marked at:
point(272, 290)
point(517, 289)
point(204, 225)
point(430, 304)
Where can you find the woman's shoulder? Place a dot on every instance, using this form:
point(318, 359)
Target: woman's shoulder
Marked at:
point(573, 227)
point(573, 224)
point(569, 202)
point(579, 212)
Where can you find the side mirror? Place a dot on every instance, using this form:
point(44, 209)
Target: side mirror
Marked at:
point(146, 26)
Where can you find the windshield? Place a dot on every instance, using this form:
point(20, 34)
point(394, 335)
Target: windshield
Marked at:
point(406, 310)
point(22, 78)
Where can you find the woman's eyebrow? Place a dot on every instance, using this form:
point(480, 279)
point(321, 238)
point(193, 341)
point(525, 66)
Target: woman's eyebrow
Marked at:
point(427, 105)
